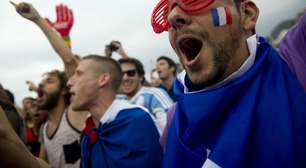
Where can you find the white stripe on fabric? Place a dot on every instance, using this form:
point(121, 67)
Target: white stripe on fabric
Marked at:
point(116, 107)
point(210, 164)
point(160, 95)
point(222, 16)
point(165, 101)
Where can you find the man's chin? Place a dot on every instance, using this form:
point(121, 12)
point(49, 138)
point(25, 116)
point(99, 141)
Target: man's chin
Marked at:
point(75, 107)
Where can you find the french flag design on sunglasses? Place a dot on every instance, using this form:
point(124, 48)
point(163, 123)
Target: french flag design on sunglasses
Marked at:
point(221, 16)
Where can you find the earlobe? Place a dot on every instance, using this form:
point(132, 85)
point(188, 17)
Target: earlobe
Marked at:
point(250, 15)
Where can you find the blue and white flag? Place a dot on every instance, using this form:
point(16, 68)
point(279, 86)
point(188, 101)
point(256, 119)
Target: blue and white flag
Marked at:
point(126, 138)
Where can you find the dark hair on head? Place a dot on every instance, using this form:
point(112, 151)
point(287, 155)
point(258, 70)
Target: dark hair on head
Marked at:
point(110, 66)
point(138, 65)
point(170, 62)
point(61, 76)
point(10, 96)
point(3, 95)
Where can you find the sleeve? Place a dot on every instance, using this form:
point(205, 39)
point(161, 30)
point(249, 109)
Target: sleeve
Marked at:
point(160, 103)
point(293, 48)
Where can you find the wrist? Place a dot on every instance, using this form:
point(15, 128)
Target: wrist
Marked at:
point(67, 40)
point(39, 20)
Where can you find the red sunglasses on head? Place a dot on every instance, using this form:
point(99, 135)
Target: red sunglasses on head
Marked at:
point(160, 13)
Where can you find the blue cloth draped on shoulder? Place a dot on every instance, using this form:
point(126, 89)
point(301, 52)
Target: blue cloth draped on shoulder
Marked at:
point(129, 141)
point(257, 120)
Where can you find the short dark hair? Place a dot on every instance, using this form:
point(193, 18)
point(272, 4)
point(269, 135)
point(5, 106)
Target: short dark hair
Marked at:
point(110, 66)
point(10, 96)
point(170, 62)
point(138, 65)
point(61, 76)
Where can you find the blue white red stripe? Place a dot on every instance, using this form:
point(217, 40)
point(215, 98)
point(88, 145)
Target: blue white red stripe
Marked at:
point(221, 16)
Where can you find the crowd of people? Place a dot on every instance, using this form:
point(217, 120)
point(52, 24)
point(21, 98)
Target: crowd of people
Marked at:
point(233, 101)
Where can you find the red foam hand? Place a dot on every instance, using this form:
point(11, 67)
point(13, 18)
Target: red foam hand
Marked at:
point(64, 21)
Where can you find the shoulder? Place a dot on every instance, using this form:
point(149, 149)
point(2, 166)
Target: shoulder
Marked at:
point(157, 93)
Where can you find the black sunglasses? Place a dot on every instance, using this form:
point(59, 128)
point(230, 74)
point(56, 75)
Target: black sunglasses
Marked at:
point(130, 73)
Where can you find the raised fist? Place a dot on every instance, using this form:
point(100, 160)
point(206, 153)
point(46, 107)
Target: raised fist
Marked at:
point(26, 10)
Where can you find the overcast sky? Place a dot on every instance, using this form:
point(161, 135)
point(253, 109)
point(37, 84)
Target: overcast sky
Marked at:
point(25, 53)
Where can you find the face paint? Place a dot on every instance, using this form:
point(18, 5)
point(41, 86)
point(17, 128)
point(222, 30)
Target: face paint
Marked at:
point(221, 16)
point(160, 13)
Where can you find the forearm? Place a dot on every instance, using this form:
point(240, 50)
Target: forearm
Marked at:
point(59, 45)
point(13, 153)
point(123, 54)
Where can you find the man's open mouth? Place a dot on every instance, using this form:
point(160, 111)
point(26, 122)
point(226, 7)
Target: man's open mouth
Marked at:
point(190, 47)
point(40, 93)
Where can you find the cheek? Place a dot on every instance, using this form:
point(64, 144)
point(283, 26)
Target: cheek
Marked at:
point(172, 38)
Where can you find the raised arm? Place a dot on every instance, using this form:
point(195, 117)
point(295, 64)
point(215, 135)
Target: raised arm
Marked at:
point(115, 46)
point(13, 153)
point(27, 11)
point(32, 86)
point(63, 23)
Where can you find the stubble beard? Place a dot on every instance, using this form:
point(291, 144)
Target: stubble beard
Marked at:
point(223, 52)
point(51, 101)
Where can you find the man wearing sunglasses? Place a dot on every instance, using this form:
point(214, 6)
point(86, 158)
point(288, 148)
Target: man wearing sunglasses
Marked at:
point(239, 105)
point(155, 100)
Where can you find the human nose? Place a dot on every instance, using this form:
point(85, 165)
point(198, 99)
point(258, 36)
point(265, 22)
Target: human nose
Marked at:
point(70, 82)
point(178, 18)
point(125, 76)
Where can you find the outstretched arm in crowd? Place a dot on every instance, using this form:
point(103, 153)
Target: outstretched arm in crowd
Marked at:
point(27, 11)
point(63, 23)
point(115, 46)
point(13, 153)
point(32, 86)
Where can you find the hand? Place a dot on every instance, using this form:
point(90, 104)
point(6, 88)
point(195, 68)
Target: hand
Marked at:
point(107, 50)
point(117, 45)
point(27, 11)
point(64, 21)
point(119, 49)
point(77, 58)
point(31, 86)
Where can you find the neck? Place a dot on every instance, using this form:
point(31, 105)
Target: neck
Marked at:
point(56, 113)
point(168, 82)
point(102, 104)
point(130, 96)
point(239, 57)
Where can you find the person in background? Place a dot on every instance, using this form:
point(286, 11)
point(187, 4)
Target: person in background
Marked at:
point(156, 100)
point(166, 69)
point(61, 133)
point(117, 134)
point(154, 78)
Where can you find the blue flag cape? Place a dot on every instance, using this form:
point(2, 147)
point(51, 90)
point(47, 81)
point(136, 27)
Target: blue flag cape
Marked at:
point(130, 141)
point(257, 120)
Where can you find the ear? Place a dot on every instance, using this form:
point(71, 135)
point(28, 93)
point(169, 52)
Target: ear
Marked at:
point(104, 79)
point(172, 69)
point(249, 13)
